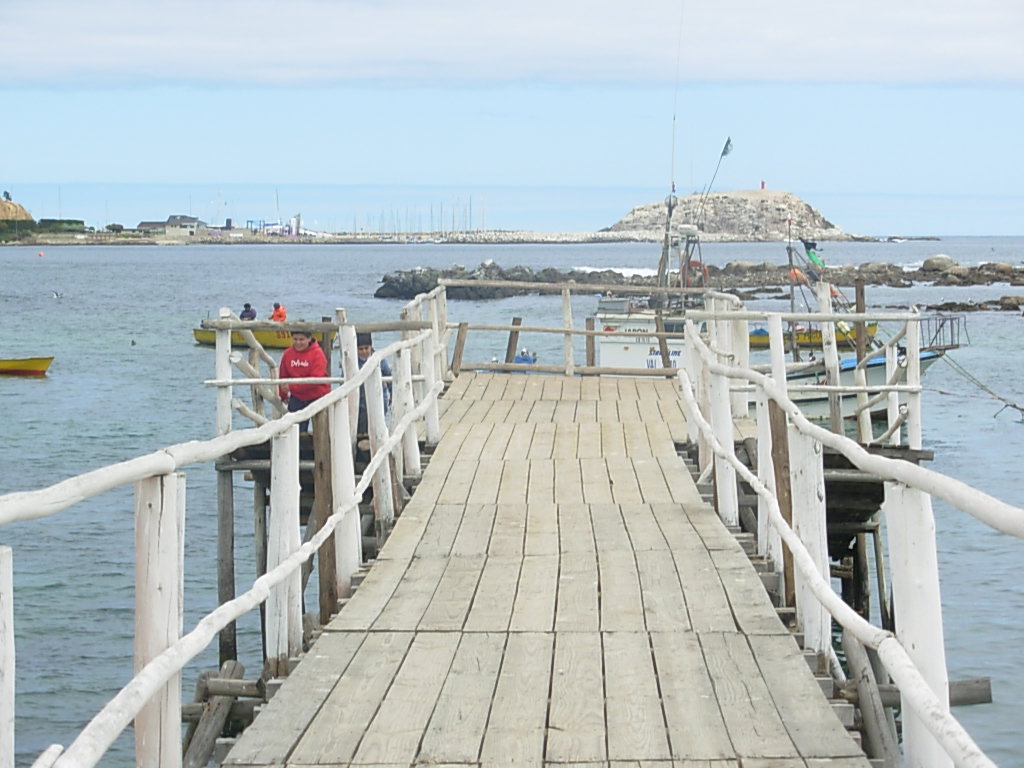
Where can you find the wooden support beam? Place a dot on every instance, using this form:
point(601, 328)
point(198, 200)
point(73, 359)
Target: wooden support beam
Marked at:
point(212, 722)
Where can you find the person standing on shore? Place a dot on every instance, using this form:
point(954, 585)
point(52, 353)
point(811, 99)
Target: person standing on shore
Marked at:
point(279, 315)
point(303, 359)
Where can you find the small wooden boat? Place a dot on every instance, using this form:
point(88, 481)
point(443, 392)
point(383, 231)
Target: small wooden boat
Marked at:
point(24, 366)
point(810, 338)
point(270, 339)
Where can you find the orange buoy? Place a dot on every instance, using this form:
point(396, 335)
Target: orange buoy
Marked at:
point(797, 276)
point(41, 254)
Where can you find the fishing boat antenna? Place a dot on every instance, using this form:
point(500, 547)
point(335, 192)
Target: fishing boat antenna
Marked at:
point(670, 201)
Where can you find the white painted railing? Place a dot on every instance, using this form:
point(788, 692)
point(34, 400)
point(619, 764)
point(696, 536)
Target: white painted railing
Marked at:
point(152, 699)
point(914, 656)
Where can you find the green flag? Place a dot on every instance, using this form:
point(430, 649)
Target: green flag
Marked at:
point(809, 250)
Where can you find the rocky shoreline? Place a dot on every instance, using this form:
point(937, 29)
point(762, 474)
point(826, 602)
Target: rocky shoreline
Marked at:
point(745, 279)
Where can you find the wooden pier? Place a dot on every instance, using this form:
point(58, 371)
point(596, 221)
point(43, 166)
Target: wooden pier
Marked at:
point(555, 592)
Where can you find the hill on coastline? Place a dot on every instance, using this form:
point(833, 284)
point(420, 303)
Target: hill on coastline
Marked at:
point(10, 211)
point(757, 215)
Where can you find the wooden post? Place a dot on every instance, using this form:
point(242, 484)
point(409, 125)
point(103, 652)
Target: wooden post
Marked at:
point(570, 363)
point(226, 558)
point(914, 432)
point(259, 524)
point(6, 657)
point(323, 506)
point(808, 499)
point(460, 345)
point(404, 396)
point(590, 345)
point(893, 402)
point(725, 474)
point(915, 584)
point(659, 327)
point(438, 348)
point(879, 738)
point(222, 372)
point(783, 492)
point(417, 356)
point(211, 723)
point(864, 427)
point(769, 544)
point(400, 379)
point(159, 597)
point(513, 340)
point(225, 491)
point(694, 367)
point(284, 604)
point(327, 344)
point(884, 605)
point(383, 503)
point(348, 535)
point(432, 374)
point(861, 328)
point(831, 356)
point(350, 367)
point(740, 348)
point(769, 541)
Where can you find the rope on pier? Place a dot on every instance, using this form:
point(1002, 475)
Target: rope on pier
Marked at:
point(1007, 403)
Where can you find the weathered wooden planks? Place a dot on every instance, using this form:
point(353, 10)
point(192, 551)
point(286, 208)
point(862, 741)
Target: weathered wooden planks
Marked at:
point(556, 592)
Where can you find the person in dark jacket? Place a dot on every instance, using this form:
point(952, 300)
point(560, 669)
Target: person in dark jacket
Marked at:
point(247, 313)
point(364, 348)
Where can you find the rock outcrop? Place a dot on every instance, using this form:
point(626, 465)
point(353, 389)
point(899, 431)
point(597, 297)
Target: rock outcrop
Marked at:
point(11, 211)
point(759, 215)
point(740, 277)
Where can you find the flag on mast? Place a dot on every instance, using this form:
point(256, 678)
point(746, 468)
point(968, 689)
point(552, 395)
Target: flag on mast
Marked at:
point(728, 146)
point(809, 248)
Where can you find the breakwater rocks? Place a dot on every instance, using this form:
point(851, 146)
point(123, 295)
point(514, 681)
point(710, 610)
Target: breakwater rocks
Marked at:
point(737, 276)
point(405, 284)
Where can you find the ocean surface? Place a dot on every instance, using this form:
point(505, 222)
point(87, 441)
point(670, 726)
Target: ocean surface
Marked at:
point(127, 380)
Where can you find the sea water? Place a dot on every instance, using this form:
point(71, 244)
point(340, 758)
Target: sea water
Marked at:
point(128, 380)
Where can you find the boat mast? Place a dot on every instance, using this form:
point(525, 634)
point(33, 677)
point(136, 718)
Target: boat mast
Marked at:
point(792, 292)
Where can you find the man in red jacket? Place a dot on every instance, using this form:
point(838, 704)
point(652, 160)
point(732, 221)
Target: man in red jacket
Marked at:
point(303, 359)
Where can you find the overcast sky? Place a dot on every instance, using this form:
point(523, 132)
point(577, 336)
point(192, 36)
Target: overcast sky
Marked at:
point(877, 113)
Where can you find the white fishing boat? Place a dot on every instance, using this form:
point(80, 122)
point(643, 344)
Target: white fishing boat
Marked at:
point(815, 405)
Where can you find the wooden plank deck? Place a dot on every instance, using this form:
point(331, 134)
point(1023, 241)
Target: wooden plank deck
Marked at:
point(556, 592)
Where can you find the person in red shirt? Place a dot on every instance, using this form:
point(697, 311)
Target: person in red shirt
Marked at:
point(303, 359)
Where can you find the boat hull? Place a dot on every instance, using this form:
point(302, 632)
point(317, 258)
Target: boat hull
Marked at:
point(637, 350)
point(270, 339)
point(810, 338)
point(25, 366)
point(815, 406)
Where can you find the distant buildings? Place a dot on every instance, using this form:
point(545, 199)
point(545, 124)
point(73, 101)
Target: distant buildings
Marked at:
point(175, 226)
point(183, 227)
